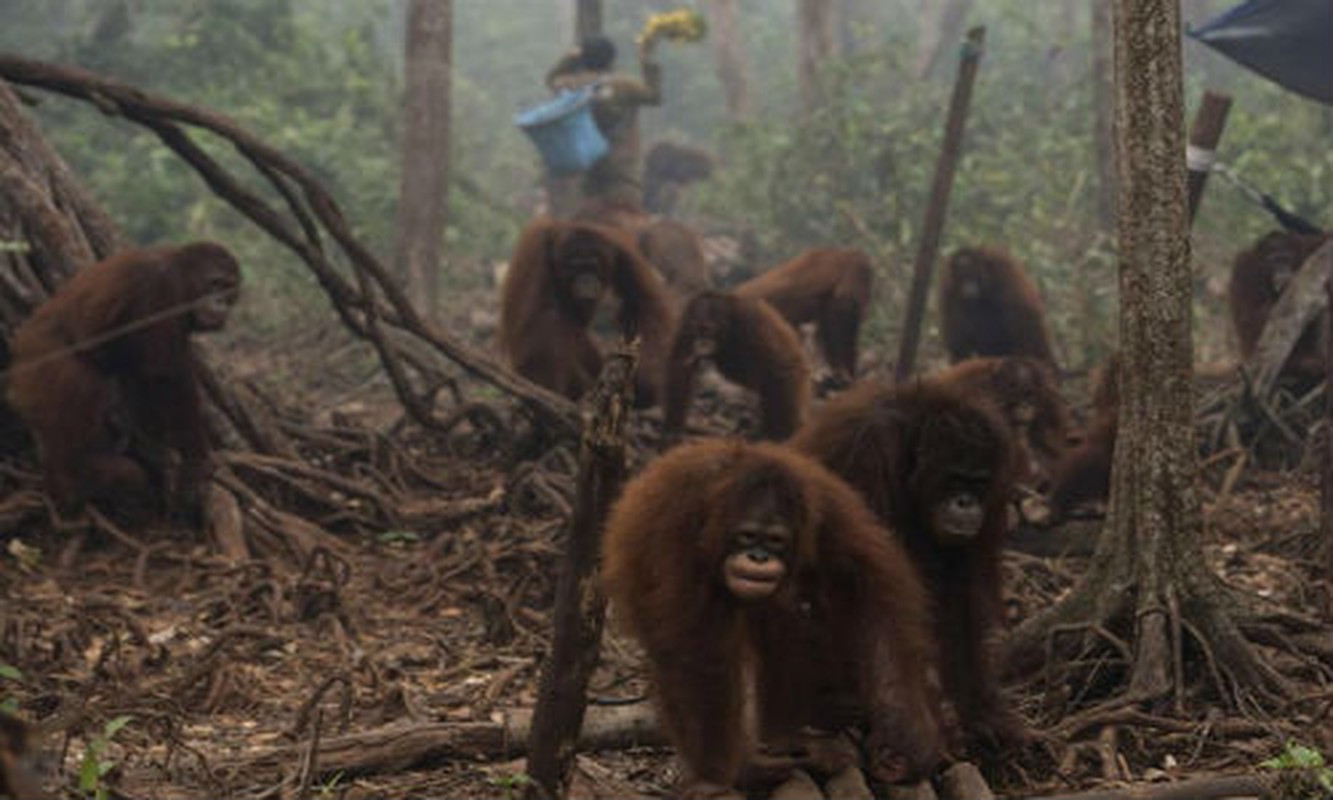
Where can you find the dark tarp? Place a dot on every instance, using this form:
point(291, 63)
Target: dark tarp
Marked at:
point(1289, 42)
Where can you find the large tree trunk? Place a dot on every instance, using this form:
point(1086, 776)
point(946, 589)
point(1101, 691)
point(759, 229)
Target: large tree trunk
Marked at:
point(1103, 114)
point(424, 185)
point(49, 225)
point(723, 28)
point(1155, 519)
point(814, 46)
point(1147, 584)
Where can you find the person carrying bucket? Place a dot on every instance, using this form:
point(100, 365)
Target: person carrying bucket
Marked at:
point(612, 187)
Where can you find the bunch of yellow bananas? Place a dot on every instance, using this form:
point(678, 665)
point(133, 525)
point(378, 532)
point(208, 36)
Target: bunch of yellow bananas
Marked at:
point(681, 25)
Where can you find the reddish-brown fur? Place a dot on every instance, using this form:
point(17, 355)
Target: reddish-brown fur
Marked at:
point(846, 629)
point(1025, 393)
point(545, 320)
point(612, 212)
point(1083, 476)
point(18, 778)
point(1258, 276)
point(990, 307)
point(675, 250)
point(750, 344)
point(908, 450)
point(828, 286)
point(104, 375)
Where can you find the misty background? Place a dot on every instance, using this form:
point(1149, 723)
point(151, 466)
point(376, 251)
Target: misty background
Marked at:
point(322, 80)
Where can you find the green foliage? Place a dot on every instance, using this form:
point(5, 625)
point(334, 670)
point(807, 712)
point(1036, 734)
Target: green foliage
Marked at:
point(1316, 779)
point(511, 784)
point(1297, 756)
point(8, 703)
point(94, 766)
point(315, 82)
point(858, 172)
point(331, 785)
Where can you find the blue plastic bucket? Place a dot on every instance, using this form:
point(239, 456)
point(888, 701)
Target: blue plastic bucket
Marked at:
point(564, 131)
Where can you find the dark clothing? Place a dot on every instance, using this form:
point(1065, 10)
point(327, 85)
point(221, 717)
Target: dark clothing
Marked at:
point(614, 180)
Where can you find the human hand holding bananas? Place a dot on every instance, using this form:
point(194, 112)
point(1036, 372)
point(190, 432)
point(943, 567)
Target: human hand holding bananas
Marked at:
point(681, 25)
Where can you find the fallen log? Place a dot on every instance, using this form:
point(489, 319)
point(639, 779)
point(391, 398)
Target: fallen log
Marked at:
point(396, 748)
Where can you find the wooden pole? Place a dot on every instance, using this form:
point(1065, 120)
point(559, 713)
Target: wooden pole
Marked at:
point(580, 606)
point(950, 154)
point(1205, 133)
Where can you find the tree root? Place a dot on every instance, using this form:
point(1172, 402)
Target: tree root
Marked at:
point(1197, 634)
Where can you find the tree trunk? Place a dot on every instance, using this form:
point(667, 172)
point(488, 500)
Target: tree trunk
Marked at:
point(589, 20)
point(1103, 114)
point(723, 29)
point(1147, 583)
point(49, 225)
point(814, 46)
point(424, 185)
point(1155, 515)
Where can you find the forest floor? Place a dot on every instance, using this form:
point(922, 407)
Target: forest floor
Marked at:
point(226, 672)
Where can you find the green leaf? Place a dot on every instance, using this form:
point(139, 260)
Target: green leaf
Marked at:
point(1296, 756)
point(1302, 756)
point(12, 673)
point(89, 776)
point(114, 725)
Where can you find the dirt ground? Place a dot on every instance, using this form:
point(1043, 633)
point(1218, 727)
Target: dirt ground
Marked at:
point(223, 673)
